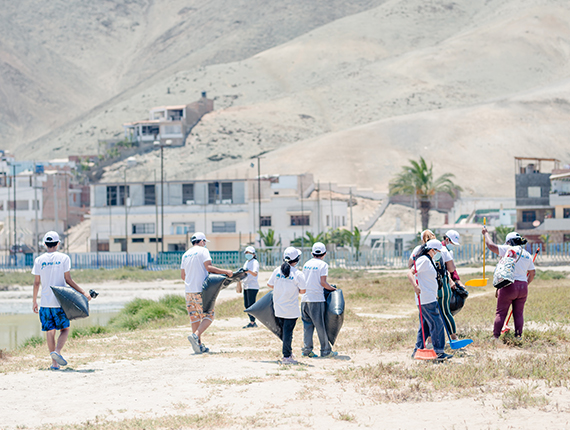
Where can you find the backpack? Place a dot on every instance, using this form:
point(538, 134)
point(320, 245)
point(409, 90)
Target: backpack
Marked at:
point(439, 267)
point(505, 271)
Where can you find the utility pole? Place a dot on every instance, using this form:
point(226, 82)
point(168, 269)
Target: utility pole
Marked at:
point(126, 218)
point(302, 215)
point(36, 204)
point(319, 207)
point(55, 201)
point(156, 210)
point(15, 208)
point(330, 196)
point(259, 196)
point(351, 223)
point(66, 226)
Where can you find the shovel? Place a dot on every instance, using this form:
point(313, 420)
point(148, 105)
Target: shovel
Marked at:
point(507, 329)
point(479, 282)
point(423, 354)
point(455, 344)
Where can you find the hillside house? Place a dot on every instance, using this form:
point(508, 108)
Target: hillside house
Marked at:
point(171, 123)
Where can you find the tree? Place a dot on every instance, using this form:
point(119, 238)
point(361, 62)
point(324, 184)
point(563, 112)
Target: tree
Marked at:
point(417, 180)
point(501, 231)
point(269, 239)
point(309, 239)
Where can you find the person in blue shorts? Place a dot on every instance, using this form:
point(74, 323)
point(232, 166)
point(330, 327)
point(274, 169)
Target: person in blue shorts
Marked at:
point(53, 269)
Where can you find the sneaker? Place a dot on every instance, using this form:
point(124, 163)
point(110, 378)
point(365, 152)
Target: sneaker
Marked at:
point(195, 343)
point(330, 354)
point(204, 349)
point(289, 360)
point(442, 356)
point(250, 325)
point(58, 358)
point(310, 354)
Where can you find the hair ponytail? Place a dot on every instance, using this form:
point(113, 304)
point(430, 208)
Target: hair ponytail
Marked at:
point(286, 266)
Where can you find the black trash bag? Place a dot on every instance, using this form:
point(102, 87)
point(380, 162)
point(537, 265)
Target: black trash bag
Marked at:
point(457, 299)
point(212, 286)
point(264, 311)
point(334, 313)
point(74, 304)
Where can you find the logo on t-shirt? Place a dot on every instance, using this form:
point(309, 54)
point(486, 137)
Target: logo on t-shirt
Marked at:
point(50, 263)
point(279, 275)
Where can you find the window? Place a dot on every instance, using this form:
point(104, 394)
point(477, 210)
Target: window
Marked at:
point(528, 216)
point(103, 246)
point(187, 193)
point(153, 240)
point(534, 192)
point(173, 247)
point(147, 228)
point(172, 129)
point(398, 247)
point(150, 130)
point(213, 192)
point(227, 192)
point(137, 240)
point(566, 238)
point(183, 227)
point(300, 220)
point(223, 226)
point(566, 213)
point(123, 243)
point(265, 221)
point(149, 194)
point(328, 221)
point(116, 195)
point(21, 205)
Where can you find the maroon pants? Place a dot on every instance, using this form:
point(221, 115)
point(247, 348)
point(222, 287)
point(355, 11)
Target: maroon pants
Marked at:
point(515, 295)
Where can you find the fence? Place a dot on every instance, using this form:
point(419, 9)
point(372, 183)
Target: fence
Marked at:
point(552, 254)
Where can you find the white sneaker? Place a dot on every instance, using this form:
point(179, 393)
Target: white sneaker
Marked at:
point(289, 360)
point(195, 342)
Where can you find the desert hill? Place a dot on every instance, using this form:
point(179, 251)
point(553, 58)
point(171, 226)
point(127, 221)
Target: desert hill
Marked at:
point(60, 60)
point(466, 84)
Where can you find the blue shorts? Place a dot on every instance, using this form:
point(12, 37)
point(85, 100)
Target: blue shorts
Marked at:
point(53, 319)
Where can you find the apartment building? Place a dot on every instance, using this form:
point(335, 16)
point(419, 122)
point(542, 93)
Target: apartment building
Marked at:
point(139, 217)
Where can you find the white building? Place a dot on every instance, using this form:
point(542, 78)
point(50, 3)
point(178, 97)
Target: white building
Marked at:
point(227, 211)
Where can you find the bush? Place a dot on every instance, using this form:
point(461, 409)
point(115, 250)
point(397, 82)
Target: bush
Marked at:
point(33, 341)
point(142, 311)
point(547, 275)
point(78, 332)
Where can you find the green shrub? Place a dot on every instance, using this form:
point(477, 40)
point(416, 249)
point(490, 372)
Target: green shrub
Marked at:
point(547, 275)
point(78, 332)
point(33, 341)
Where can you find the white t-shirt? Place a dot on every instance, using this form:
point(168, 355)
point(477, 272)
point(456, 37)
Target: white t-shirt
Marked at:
point(427, 279)
point(250, 281)
point(523, 265)
point(51, 267)
point(286, 292)
point(313, 270)
point(193, 264)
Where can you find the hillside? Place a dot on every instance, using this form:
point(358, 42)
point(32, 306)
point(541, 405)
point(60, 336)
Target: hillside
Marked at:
point(63, 60)
point(465, 84)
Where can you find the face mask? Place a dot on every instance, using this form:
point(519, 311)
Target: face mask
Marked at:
point(248, 256)
point(450, 247)
point(437, 256)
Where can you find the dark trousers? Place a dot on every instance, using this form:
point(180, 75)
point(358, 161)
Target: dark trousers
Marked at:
point(433, 326)
point(515, 295)
point(288, 325)
point(249, 297)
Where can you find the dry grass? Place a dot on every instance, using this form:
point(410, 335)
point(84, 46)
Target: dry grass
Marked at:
point(516, 371)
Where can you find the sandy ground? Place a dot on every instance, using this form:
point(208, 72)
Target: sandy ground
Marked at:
point(178, 382)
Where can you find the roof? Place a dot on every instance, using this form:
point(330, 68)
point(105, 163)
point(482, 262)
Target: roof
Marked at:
point(168, 107)
point(560, 176)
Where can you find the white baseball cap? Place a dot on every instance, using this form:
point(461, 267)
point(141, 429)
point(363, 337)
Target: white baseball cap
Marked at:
point(291, 253)
point(199, 236)
point(453, 236)
point(51, 237)
point(250, 249)
point(319, 248)
point(512, 235)
point(434, 244)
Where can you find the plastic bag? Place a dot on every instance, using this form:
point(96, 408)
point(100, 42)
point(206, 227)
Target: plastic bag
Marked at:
point(74, 304)
point(264, 311)
point(212, 286)
point(334, 313)
point(457, 299)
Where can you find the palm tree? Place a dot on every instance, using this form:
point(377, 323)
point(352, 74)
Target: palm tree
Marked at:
point(269, 239)
point(417, 180)
point(309, 239)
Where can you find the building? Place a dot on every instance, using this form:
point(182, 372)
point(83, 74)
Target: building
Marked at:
point(138, 217)
point(168, 123)
point(557, 226)
point(45, 197)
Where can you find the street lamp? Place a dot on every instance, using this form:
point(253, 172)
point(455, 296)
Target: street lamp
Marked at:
point(162, 145)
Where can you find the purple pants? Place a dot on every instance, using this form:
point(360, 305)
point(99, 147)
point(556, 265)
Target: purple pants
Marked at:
point(515, 295)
